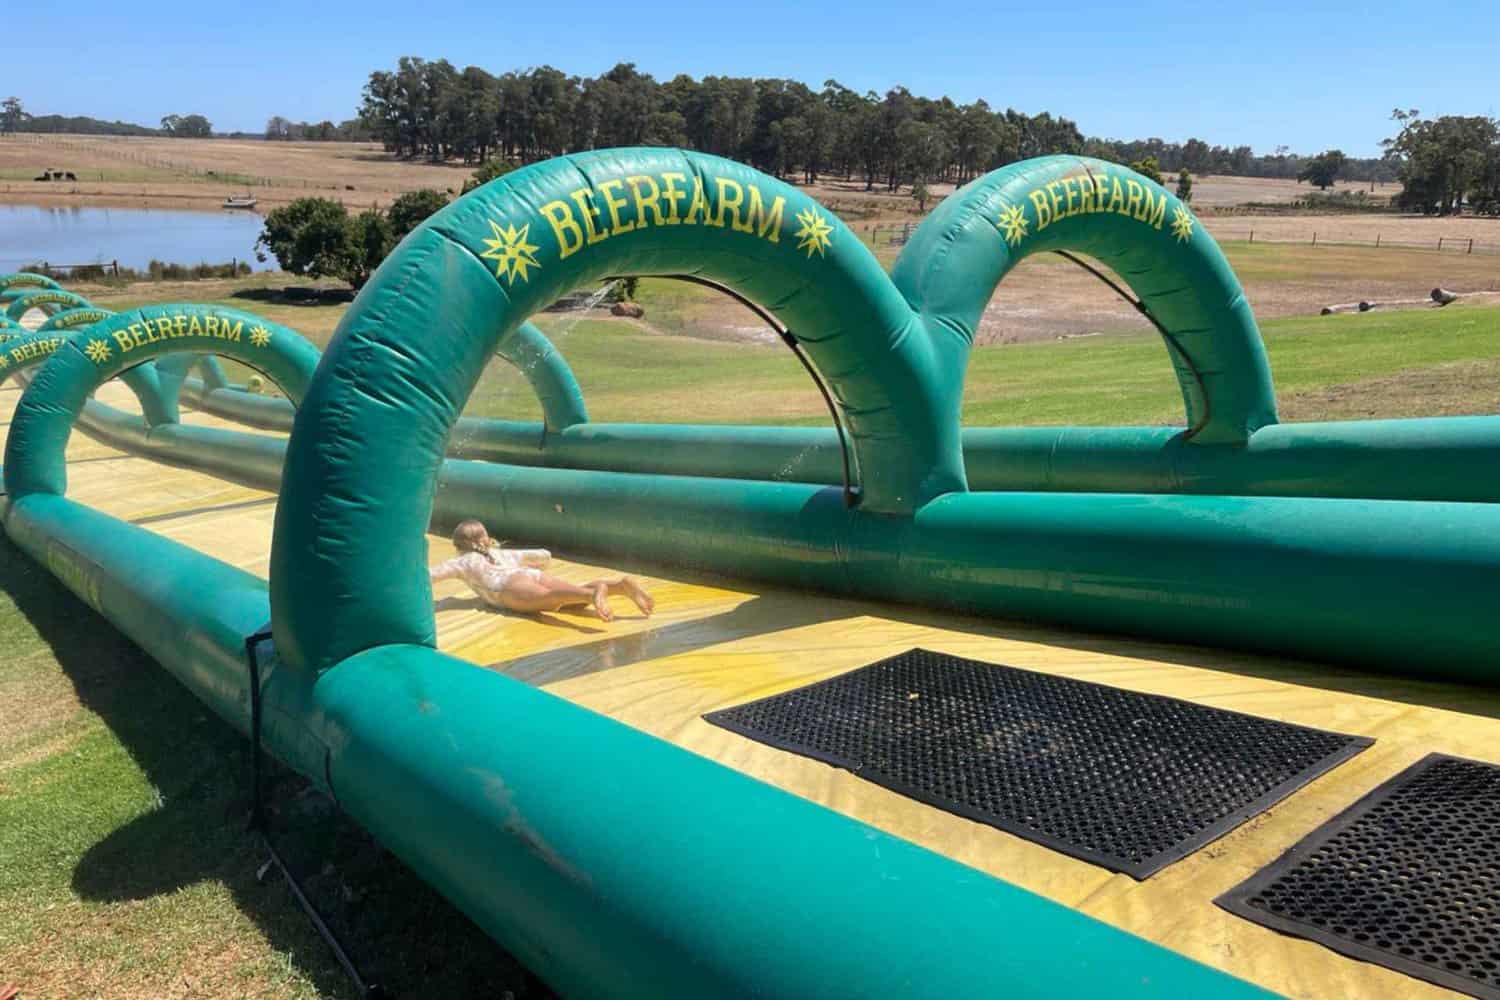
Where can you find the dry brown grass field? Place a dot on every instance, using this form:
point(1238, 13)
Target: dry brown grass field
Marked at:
point(1215, 190)
point(1407, 230)
point(1284, 273)
point(163, 171)
point(1046, 296)
point(200, 173)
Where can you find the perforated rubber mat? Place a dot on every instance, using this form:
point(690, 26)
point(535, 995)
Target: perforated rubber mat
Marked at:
point(1408, 877)
point(1124, 780)
point(1128, 781)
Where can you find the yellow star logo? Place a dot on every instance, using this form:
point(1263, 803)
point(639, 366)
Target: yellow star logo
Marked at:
point(1182, 224)
point(260, 336)
point(4, 362)
point(510, 251)
point(1012, 223)
point(98, 351)
point(815, 234)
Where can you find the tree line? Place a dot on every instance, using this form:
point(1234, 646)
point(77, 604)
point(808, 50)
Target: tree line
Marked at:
point(15, 118)
point(1447, 164)
point(432, 109)
point(192, 126)
point(285, 130)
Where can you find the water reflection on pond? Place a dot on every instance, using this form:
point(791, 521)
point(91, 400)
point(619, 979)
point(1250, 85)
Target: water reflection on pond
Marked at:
point(31, 234)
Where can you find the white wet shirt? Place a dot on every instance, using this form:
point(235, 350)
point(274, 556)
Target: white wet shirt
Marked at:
point(487, 572)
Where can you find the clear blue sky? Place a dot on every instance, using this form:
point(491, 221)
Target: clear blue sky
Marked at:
point(1263, 74)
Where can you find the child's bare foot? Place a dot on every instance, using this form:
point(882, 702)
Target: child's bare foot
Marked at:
point(637, 593)
point(601, 602)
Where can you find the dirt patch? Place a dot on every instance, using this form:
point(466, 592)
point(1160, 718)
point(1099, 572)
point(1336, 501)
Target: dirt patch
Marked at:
point(1046, 297)
point(1464, 388)
point(36, 701)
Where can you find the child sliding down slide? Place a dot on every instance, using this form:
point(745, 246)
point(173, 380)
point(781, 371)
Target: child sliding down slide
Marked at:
point(512, 579)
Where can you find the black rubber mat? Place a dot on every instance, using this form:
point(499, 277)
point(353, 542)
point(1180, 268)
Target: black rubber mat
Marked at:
point(1128, 781)
point(1408, 877)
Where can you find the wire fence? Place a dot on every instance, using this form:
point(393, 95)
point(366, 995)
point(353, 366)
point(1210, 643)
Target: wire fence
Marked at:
point(110, 268)
point(892, 235)
point(1459, 245)
point(122, 149)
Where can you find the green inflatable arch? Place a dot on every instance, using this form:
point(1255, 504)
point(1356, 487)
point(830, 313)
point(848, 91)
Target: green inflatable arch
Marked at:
point(32, 349)
point(27, 349)
point(72, 319)
point(174, 370)
point(547, 372)
point(142, 380)
point(48, 300)
point(529, 350)
point(22, 280)
point(171, 369)
point(1145, 234)
point(120, 344)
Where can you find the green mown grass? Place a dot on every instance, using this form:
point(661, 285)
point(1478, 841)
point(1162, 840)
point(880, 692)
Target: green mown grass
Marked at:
point(629, 373)
point(125, 866)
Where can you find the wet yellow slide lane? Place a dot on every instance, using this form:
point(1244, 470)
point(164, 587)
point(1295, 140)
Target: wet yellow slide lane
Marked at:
point(713, 644)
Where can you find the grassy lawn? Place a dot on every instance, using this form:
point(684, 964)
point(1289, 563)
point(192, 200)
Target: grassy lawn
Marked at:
point(1128, 379)
point(630, 375)
point(1376, 364)
point(125, 867)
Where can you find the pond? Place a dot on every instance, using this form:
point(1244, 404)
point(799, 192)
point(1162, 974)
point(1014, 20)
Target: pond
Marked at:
point(31, 234)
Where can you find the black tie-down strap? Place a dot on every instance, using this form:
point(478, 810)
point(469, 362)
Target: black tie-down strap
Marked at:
point(260, 825)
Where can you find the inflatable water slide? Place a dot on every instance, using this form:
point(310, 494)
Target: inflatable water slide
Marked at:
point(924, 710)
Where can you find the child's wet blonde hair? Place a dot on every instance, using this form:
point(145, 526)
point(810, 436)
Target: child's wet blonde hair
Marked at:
point(466, 538)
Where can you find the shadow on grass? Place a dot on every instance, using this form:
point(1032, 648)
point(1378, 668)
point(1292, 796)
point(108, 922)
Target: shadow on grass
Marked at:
point(296, 295)
point(401, 933)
